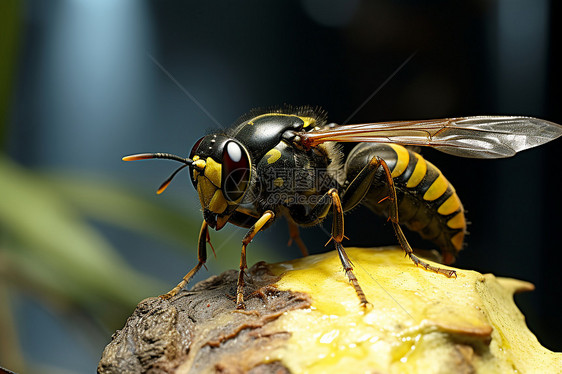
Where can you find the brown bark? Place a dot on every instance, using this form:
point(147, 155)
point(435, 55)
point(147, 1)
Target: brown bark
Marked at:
point(201, 326)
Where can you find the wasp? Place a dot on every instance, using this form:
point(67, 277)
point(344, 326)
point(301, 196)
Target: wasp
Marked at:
point(290, 162)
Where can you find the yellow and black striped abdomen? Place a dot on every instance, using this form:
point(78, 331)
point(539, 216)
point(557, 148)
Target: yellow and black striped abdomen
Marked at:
point(427, 202)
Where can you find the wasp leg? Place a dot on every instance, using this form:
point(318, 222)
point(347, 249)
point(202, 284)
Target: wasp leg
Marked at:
point(320, 210)
point(337, 236)
point(393, 216)
point(295, 237)
point(265, 218)
point(360, 185)
point(204, 238)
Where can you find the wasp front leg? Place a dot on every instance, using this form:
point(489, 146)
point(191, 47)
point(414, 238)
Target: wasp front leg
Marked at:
point(264, 219)
point(201, 256)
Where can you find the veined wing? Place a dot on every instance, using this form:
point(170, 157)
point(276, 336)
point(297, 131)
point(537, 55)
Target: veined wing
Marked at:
point(476, 137)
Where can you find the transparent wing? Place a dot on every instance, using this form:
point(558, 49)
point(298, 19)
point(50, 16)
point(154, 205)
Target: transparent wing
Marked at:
point(476, 137)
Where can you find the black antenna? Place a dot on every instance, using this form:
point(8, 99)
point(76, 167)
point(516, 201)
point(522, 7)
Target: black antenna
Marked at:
point(168, 156)
point(164, 185)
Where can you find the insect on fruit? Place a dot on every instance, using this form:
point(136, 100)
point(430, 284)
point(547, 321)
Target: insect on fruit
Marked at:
point(289, 162)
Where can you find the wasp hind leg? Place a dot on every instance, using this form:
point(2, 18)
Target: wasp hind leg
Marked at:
point(201, 256)
point(393, 217)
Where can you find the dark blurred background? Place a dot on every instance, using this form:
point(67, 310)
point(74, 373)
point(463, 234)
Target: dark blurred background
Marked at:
point(86, 82)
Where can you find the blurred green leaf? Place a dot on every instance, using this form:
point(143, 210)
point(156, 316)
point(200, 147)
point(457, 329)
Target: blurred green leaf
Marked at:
point(10, 354)
point(49, 246)
point(10, 29)
point(110, 202)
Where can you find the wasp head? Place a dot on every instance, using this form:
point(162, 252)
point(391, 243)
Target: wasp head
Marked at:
point(221, 174)
point(220, 171)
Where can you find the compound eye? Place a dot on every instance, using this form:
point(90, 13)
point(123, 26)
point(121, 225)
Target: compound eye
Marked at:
point(235, 171)
point(191, 154)
point(195, 146)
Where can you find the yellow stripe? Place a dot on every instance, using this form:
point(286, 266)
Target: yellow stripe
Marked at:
point(206, 190)
point(213, 171)
point(402, 160)
point(308, 121)
point(419, 172)
point(457, 240)
point(457, 222)
point(218, 203)
point(199, 164)
point(451, 205)
point(200, 191)
point(274, 155)
point(251, 122)
point(437, 188)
